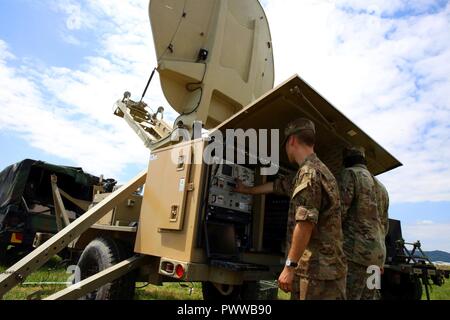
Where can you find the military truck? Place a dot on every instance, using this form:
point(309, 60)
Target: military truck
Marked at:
point(215, 61)
point(27, 211)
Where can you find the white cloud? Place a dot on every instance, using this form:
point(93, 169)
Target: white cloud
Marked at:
point(389, 75)
point(431, 236)
point(71, 39)
point(4, 52)
point(76, 18)
point(387, 71)
point(68, 112)
point(46, 126)
point(426, 222)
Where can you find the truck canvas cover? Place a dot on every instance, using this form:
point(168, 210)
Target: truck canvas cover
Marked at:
point(29, 181)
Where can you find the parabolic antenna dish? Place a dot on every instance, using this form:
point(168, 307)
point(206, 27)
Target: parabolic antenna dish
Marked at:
point(214, 56)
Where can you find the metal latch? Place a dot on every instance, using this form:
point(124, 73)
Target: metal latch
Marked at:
point(190, 186)
point(174, 213)
point(180, 162)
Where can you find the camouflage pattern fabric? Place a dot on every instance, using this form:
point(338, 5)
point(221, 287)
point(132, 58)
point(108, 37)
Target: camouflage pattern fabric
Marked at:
point(383, 205)
point(357, 283)
point(315, 198)
point(295, 293)
point(362, 224)
point(311, 289)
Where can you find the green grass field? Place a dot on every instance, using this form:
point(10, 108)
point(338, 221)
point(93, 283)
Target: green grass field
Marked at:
point(439, 293)
point(53, 271)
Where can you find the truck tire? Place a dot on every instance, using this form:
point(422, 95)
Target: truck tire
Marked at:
point(250, 290)
point(3, 249)
point(100, 254)
point(68, 256)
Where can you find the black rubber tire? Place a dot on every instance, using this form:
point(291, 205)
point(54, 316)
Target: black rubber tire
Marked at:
point(12, 254)
point(3, 255)
point(416, 289)
point(211, 293)
point(251, 290)
point(409, 288)
point(68, 256)
point(100, 254)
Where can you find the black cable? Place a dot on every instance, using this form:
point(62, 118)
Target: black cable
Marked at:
point(141, 287)
point(201, 94)
point(170, 46)
point(148, 83)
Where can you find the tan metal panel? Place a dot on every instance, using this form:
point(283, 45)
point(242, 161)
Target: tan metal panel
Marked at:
point(167, 187)
point(296, 98)
point(156, 235)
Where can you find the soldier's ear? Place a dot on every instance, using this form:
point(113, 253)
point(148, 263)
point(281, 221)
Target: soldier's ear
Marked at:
point(292, 140)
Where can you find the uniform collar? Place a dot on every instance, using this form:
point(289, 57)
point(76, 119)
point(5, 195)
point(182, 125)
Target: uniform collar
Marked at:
point(311, 157)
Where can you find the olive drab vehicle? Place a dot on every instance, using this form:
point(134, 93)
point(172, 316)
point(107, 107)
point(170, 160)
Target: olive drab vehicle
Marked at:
point(216, 67)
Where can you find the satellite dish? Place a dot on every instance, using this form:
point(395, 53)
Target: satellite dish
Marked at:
point(214, 56)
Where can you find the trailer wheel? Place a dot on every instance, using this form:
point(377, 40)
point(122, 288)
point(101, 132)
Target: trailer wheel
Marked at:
point(212, 293)
point(250, 290)
point(399, 286)
point(100, 254)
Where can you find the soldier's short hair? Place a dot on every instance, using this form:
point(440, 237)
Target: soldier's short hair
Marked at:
point(307, 137)
point(352, 151)
point(353, 155)
point(303, 129)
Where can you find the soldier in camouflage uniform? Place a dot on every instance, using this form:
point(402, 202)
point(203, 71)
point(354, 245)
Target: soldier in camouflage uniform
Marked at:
point(383, 206)
point(314, 233)
point(364, 222)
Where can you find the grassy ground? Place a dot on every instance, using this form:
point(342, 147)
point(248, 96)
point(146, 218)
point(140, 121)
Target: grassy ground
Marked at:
point(439, 293)
point(55, 272)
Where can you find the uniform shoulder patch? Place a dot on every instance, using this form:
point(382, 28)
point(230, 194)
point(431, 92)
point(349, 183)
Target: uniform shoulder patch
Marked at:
point(305, 178)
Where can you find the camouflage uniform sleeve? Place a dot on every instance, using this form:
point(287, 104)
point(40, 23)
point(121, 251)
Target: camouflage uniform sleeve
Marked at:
point(306, 196)
point(386, 215)
point(283, 185)
point(347, 189)
point(383, 202)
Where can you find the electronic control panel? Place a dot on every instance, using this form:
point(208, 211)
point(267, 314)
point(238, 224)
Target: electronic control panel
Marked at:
point(222, 183)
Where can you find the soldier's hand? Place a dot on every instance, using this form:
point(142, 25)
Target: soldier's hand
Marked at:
point(286, 279)
point(241, 187)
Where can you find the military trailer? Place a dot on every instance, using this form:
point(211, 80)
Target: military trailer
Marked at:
point(215, 61)
point(407, 269)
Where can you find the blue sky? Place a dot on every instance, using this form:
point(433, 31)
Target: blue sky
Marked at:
point(383, 63)
point(35, 31)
